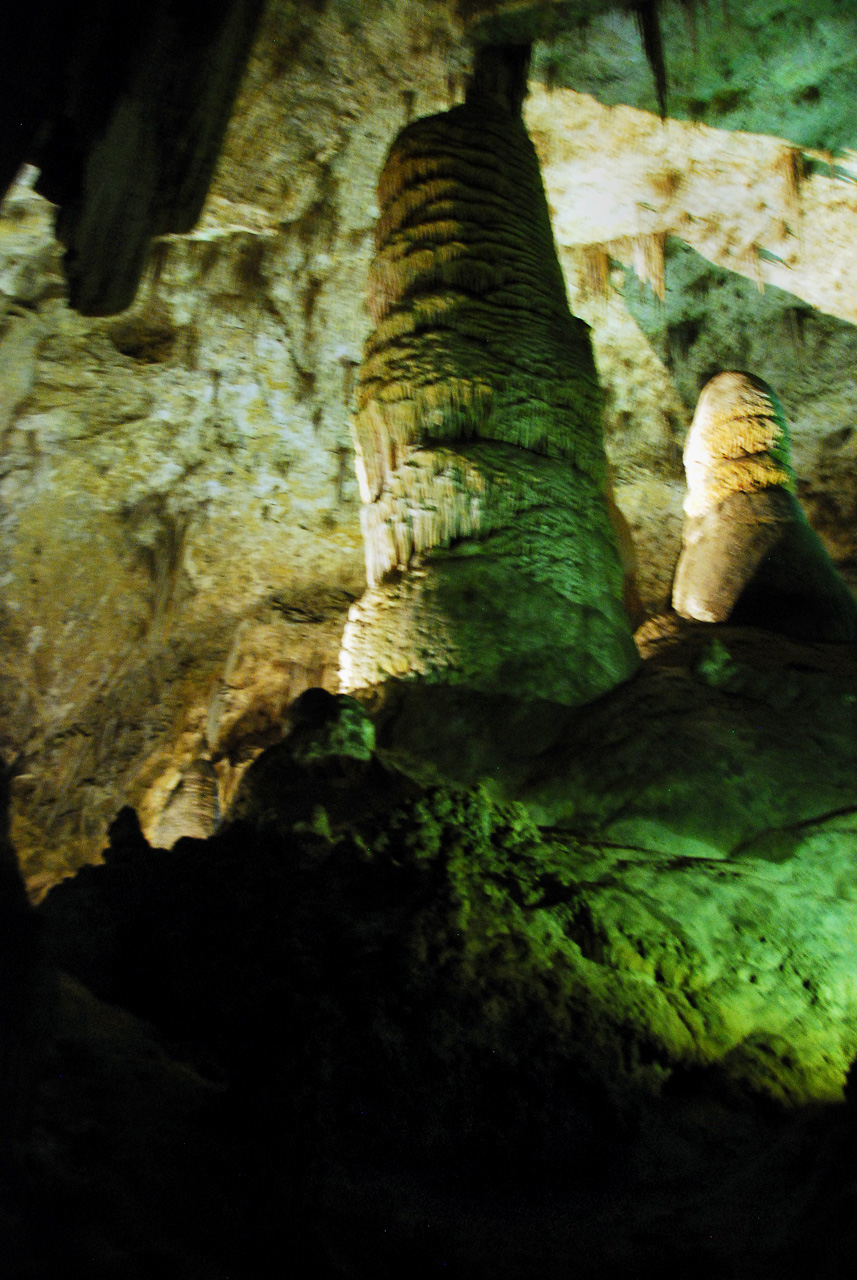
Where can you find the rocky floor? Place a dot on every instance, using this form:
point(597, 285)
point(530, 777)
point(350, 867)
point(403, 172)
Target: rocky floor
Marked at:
point(380, 1024)
point(136, 1169)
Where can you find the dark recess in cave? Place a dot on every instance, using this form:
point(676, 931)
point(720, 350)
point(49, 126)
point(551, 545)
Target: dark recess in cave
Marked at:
point(123, 111)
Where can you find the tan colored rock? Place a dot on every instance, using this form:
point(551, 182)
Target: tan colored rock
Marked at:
point(173, 475)
point(192, 808)
point(749, 555)
point(490, 555)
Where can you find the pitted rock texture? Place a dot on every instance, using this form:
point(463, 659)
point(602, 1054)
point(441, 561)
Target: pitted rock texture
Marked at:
point(749, 555)
point(478, 433)
point(176, 512)
point(238, 364)
point(678, 929)
point(182, 533)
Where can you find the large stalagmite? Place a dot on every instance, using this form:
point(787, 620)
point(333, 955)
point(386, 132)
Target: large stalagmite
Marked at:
point(490, 555)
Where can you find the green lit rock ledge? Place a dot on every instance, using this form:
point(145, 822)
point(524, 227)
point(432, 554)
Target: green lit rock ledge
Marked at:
point(663, 882)
point(600, 993)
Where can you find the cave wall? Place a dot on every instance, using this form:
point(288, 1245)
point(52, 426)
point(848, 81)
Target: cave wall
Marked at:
point(180, 520)
point(181, 529)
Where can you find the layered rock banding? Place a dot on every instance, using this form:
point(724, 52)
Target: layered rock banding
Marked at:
point(490, 554)
point(749, 555)
point(192, 808)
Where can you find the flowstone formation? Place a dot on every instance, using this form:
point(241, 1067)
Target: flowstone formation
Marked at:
point(419, 1005)
point(749, 555)
point(192, 807)
point(490, 554)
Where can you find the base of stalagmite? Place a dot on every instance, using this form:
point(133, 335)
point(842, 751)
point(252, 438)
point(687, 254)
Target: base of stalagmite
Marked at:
point(755, 561)
point(514, 584)
point(461, 619)
point(608, 1041)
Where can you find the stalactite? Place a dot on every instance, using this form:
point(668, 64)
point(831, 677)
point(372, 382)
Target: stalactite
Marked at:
point(594, 271)
point(649, 23)
point(648, 258)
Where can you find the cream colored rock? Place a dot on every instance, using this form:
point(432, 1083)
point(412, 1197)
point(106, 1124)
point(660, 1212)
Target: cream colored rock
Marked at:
point(172, 476)
point(491, 558)
point(617, 177)
point(192, 808)
point(749, 555)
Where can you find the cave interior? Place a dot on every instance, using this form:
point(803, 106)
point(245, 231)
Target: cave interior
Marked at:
point(428, 689)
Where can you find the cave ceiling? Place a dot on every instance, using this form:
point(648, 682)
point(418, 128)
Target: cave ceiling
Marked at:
point(124, 118)
point(180, 519)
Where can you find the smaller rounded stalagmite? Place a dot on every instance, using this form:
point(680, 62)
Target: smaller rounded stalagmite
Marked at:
point(749, 555)
point(192, 807)
point(491, 559)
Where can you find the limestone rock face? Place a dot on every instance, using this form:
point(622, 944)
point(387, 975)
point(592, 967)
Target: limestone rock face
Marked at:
point(704, 920)
point(749, 555)
point(180, 525)
point(181, 520)
point(478, 433)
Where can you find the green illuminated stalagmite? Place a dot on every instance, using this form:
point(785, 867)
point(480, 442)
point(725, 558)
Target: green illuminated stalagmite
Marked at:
point(490, 554)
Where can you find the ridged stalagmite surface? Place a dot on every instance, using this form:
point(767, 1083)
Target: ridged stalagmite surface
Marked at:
point(192, 808)
point(749, 555)
point(490, 555)
point(738, 443)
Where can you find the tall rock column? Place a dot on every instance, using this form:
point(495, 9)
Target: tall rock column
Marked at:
point(490, 555)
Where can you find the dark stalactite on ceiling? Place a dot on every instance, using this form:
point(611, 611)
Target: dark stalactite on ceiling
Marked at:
point(123, 112)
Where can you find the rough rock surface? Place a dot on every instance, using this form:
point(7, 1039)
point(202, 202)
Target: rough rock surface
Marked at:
point(696, 804)
point(763, 68)
point(600, 1005)
point(749, 556)
point(151, 465)
point(181, 519)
